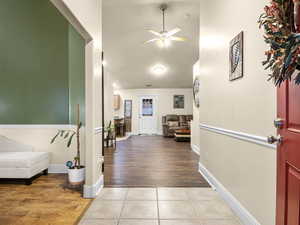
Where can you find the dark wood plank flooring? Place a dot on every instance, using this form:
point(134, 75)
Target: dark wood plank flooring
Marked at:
point(152, 161)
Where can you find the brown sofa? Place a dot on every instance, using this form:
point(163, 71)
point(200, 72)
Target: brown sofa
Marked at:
point(171, 123)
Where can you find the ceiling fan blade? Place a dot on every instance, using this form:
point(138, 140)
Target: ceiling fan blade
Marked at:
point(172, 32)
point(152, 40)
point(154, 32)
point(177, 38)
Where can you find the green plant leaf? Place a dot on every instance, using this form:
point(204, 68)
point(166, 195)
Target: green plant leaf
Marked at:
point(62, 133)
point(67, 135)
point(54, 138)
point(70, 140)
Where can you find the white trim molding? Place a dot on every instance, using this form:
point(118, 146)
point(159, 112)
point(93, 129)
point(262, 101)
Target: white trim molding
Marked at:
point(98, 130)
point(37, 126)
point(245, 216)
point(91, 191)
point(195, 149)
point(239, 135)
point(57, 168)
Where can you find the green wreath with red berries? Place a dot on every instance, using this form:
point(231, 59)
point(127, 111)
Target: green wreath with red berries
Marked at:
point(281, 27)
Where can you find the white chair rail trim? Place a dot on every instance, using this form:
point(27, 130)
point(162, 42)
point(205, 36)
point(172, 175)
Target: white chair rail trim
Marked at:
point(37, 126)
point(239, 135)
point(98, 130)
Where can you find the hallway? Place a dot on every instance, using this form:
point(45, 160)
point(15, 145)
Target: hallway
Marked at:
point(152, 161)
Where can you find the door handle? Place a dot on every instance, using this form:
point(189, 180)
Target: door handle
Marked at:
point(273, 139)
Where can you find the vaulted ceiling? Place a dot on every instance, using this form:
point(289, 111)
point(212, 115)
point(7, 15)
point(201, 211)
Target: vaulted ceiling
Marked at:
point(125, 25)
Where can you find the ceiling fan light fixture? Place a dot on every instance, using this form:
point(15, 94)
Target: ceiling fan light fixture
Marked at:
point(164, 38)
point(164, 43)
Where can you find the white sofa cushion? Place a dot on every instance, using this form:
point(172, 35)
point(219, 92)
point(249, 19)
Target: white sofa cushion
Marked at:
point(24, 172)
point(8, 145)
point(22, 159)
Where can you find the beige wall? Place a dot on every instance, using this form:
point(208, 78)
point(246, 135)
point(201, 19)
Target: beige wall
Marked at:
point(108, 99)
point(247, 105)
point(165, 104)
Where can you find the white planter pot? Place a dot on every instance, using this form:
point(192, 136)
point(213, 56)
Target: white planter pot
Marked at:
point(76, 176)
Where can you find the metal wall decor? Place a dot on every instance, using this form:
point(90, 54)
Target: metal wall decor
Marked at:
point(236, 58)
point(196, 87)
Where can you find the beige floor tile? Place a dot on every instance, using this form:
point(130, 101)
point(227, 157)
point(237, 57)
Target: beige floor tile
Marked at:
point(137, 194)
point(221, 222)
point(176, 210)
point(180, 222)
point(138, 222)
point(172, 194)
point(98, 222)
point(215, 209)
point(113, 194)
point(202, 194)
point(104, 210)
point(140, 210)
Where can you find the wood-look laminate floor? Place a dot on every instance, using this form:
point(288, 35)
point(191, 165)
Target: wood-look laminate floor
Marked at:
point(152, 161)
point(46, 202)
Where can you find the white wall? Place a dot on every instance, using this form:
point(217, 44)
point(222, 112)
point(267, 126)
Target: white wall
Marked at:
point(164, 104)
point(247, 170)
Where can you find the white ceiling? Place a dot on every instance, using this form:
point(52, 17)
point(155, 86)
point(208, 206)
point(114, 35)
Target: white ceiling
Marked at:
point(125, 24)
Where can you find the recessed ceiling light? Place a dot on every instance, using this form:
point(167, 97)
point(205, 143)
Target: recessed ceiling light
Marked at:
point(159, 69)
point(115, 85)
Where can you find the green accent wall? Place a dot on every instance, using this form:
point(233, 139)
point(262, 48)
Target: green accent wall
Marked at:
point(76, 75)
point(35, 43)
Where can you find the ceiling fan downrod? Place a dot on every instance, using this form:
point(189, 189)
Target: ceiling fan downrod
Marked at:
point(163, 8)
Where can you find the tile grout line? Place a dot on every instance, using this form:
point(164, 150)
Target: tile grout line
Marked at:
point(158, 216)
point(123, 206)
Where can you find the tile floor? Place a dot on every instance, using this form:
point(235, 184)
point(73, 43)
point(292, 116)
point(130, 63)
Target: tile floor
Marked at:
point(159, 206)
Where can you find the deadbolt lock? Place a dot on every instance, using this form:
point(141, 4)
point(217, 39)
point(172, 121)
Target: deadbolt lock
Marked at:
point(278, 123)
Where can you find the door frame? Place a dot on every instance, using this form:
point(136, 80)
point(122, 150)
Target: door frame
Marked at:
point(155, 111)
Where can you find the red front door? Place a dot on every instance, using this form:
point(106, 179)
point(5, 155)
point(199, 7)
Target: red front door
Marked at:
point(288, 155)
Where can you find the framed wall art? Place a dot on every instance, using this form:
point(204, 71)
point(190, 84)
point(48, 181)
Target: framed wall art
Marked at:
point(236, 57)
point(178, 102)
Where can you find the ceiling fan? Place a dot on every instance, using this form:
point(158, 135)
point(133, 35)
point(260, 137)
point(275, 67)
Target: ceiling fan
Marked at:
point(164, 38)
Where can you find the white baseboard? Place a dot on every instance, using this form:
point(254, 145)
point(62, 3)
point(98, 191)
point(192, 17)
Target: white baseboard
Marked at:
point(57, 168)
point(91, 191)
point(244, 215)
point(195, 149)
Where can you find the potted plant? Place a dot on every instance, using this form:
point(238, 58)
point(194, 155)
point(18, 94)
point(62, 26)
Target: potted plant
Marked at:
point(76, 171)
